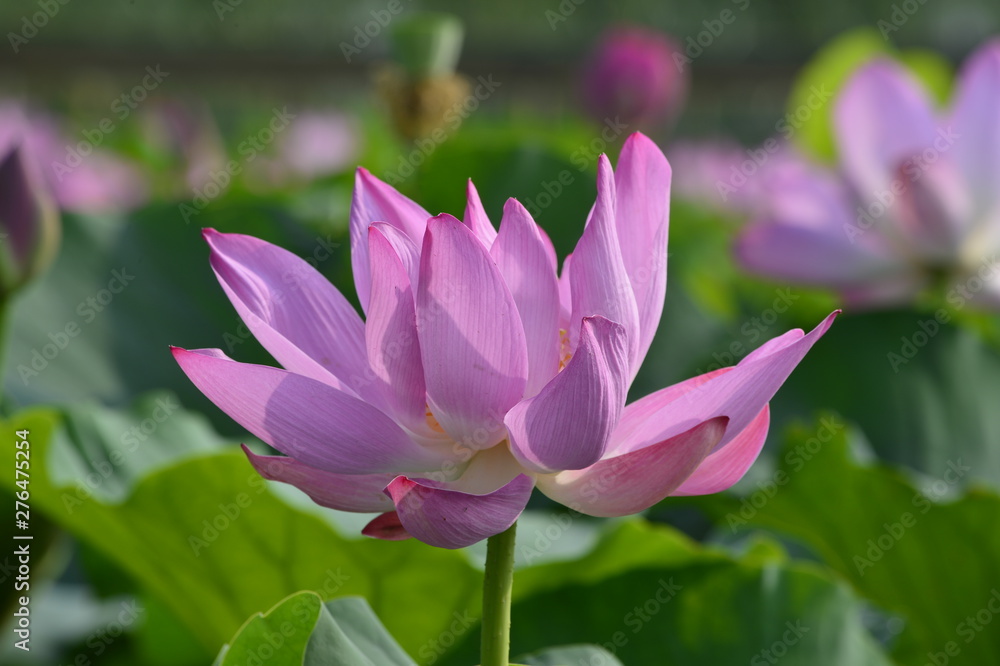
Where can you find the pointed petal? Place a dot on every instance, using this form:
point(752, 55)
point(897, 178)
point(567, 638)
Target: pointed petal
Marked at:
point(739, 392)
point(471, 338)
point(600, 285)
point(375, 201)
point(642, 214)
point(303, 418)
point(391, 333)
point(882, 118)
point(727, 465)
point(405, 249)
point(568, 424)
point(295, 312)
point(455, 519)
point(635, 481)
point(976, 152)
point(974, 117)
point(386, 527)
point(361, 493)
point(476, 218)
point(530, 274)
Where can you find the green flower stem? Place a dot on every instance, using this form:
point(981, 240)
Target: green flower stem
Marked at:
point(496, 598)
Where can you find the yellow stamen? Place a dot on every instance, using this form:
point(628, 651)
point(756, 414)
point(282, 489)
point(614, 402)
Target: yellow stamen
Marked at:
point(564, 353)
point(433, 422)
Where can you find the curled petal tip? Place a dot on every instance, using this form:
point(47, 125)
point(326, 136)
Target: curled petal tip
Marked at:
point(445, 217)
point(386, 527)
point(603, 163)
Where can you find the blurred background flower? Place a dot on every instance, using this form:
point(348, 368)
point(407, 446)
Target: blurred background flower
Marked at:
point(637, 75)
point(84, 179)
point(914, 204)
point(320, 143)
point(28, 220)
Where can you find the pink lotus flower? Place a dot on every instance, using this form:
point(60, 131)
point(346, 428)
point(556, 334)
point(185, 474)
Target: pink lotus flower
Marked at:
point(916, 197)
point(478, 373)
point(632, 76)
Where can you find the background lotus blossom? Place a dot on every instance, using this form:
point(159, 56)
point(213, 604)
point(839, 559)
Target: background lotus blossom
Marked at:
point(723, 175)
point(915, 198)
point(632, 75)
point(187, 133)
point(479, 372)
point(101, 182)
point(319, 143)
point(28, 220)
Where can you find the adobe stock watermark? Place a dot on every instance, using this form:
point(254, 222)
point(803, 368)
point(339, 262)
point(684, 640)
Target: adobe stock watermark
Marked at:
point(322, 251)
point(436, 647)
point(562, 13)
point(228, 513)
point(901, 13)
point(696, 44)
point(99, 641)
point(795, 459)
point(462, 450)
point(121, 107)
point(131, 439)
point(364, 34)
point(785, 127)
point(274, 638)
point(923, 500)
point(779, 648)
point(248, 149)
point(461, 453)
point(582, 158)
point(453, 119)
point(223, 7)
point(544, 538)
point(911, 170)
point(87, 311)
point(967, 630)
point(959, 294)
point(640, 615)
point(31, 24)
point(752, 331)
